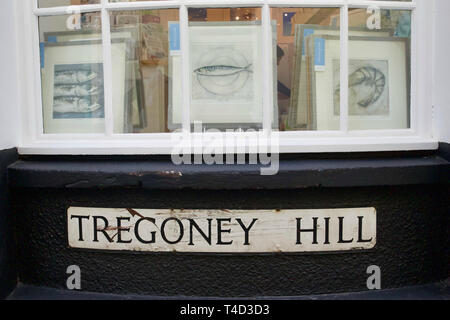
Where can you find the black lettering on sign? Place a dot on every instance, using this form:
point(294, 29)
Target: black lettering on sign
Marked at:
point(360, 232)
point(220, 231)
point(193, 225)
point(246, 230)
point(341, 232)
point(138, 235)
point(80, 225)
point(163, 231)
point(120, 229)
point(97, 230)
point(313, 230)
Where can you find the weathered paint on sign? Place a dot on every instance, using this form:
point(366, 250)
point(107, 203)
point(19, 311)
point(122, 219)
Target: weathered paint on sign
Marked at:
point(222, 231)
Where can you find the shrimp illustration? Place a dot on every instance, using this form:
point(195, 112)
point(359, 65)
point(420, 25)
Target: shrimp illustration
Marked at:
point(371, 83)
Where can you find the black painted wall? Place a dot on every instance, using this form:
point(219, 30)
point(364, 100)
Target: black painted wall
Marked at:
point(7, 263)
point(412, 243)
point(409, 191)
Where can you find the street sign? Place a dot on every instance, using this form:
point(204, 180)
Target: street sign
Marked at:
point(221, 230)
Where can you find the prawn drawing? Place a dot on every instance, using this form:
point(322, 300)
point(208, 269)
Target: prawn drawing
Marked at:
point(372, 79)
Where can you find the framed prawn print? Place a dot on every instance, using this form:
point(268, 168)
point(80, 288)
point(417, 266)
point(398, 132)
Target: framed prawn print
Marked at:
point(73, 87)
point(379, 83)
point(225, 74)
point(301, 114)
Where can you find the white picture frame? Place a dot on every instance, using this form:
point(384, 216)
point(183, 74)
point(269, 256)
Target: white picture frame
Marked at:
point(301, 114)
point(392, 50)
point(82, 53)
point(220, 112)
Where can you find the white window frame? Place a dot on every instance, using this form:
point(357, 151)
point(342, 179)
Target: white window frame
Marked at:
point(421, 135)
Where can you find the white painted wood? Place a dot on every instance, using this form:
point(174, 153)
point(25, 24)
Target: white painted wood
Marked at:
point(107, 70)
point(287, 145)
point(267, 69)
point(185, 67)
point(225, 231)
point(10, 126)
point(343, 114)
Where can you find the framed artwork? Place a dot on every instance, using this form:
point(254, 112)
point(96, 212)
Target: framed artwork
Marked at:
point(225, 73)
point(73, 88)
point(135, 116)
point(379, 86)
point(301, 111)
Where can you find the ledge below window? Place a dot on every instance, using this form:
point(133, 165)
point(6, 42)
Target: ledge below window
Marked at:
point(125, 172)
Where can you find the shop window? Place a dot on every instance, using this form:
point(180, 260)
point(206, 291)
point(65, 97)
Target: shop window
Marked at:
point(139, 70)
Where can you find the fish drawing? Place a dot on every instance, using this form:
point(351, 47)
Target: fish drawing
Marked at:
point(76, 105)
point(221, 70)
point(75, 90)
point(74, 77)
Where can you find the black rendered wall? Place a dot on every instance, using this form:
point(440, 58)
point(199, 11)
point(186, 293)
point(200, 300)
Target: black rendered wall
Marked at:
point(412, 243)
point(7, 263)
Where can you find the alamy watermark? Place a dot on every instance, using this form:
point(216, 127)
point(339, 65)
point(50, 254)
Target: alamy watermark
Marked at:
point(74, 280)
point(212, 146)
point(374, 280)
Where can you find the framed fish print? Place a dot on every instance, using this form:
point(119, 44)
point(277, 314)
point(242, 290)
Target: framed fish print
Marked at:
point(135, 108)
point(379, 83)
point(73, 87)
point(225, 74)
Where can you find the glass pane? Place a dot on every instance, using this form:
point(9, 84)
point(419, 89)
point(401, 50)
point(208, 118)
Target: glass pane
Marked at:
point(226, 80)
point(72, 73)
point(308, 62)
point(60, 3)
point(145, 47)
point(379, 69)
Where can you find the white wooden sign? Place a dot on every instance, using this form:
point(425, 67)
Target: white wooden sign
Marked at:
point(222, 231)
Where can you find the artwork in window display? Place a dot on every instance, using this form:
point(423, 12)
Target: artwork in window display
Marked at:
point(78, 91)
point(91, 21)
point(134, 106)
point(378, 83)
point(302, 113)
point(154, 44)
point(127, 19)
point(368, 87)
point(223, 72)
point(72, 87)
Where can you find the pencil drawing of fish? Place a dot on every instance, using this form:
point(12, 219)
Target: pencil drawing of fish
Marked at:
point(74, 76)
point(221, 70)
point(74, 90)
point(76, 105)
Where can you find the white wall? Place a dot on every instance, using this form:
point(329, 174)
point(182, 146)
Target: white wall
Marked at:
point(9, 98)
point(441, 98)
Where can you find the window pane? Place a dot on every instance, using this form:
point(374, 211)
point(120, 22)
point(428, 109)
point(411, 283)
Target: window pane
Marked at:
point(379, 69)
point(308, 61)
point(60, 3)
point(72, 73)
point(145, 47)
point(226, 59)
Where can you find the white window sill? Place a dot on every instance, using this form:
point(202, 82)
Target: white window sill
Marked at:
point(163, 146)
